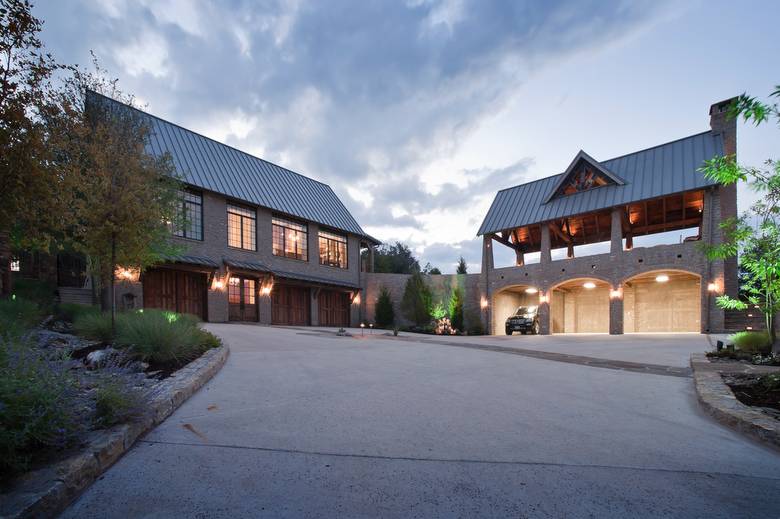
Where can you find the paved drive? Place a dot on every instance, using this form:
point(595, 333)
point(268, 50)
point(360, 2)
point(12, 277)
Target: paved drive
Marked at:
point(303, 424)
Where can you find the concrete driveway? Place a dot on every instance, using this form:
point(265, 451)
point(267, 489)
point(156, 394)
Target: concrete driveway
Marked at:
point(301, 423)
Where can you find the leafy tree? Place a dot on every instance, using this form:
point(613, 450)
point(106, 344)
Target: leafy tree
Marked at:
point(759, 244)
point(32, 198)
point(416, 301)
point(462, 267)
point(384, 314)
point(396, 259)
point(456, 308)
point(431, 270)
point(126, 199)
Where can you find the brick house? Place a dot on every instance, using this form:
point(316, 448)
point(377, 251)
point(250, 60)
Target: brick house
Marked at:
point(667, 287)
point(263, 243)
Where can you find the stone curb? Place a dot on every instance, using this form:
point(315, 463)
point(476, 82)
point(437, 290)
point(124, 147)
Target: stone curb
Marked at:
point(46, 492)
point(719, 401)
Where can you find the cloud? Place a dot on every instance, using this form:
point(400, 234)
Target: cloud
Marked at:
point(363, 95)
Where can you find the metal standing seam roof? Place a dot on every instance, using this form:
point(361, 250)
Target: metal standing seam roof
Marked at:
point(658, 171)
point(213, 166)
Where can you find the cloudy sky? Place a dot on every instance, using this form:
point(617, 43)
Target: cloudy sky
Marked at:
point(416, 112)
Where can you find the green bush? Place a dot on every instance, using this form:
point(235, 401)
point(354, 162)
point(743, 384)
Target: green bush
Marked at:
point(38, 405)
point(752, 342)
point(72, 311)
point(17, 316)
point(95, 325)
point(39, 292)
point(165, 339)
point(416, 301)
point(116, 402)
point(384, 314)
point(456, 308)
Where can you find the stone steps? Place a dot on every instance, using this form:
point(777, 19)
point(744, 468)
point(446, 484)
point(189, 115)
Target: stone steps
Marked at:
point(79, 296)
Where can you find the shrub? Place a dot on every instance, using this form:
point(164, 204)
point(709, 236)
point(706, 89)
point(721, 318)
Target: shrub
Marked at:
point(456, 308)
point(116, 402)
point(17, 316)
point(384, 314)
point(39, 292)
point(38, 404)
point(72, 311)
point(165, 339)
point(416, 301)
point(752, 342)
point(95, 326)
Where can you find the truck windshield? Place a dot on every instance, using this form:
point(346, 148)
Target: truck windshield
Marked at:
point(525, 310)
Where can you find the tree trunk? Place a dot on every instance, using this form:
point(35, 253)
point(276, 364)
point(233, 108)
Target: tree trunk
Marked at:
point(6, 283)
point(111, 286)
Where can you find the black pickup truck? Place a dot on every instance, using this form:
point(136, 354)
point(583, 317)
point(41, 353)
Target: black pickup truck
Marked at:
point(524, 320)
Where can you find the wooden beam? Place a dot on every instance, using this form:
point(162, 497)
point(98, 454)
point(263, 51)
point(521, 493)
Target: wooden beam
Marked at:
point(505, 241)
point(559, 233)
point(664, 226)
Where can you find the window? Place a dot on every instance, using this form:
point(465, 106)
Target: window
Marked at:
point(333, 249)
point(241, 227)
point(15, 265)
point(191, 215)
point(290, 239)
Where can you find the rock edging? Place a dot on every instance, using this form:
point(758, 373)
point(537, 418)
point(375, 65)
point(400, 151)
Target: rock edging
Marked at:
point(46, 492)
point(719, 401)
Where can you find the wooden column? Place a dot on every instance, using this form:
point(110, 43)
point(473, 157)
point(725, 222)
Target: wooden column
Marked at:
point(545, 245)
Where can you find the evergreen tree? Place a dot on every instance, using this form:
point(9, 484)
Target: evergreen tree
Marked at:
point(462, 267)
point(384, 315)
point(416, 301)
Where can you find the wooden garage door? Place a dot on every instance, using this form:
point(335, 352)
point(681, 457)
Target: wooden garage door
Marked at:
point(290, 305)
point(667, 307)
point(175, 290)
point(334, 308)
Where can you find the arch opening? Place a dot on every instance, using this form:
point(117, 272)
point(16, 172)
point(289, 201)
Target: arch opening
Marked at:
point(662, 301)
point(508, 300)
point(580, 306)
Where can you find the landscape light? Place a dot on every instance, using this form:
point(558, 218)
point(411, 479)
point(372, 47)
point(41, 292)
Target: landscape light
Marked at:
point(531, 290)
point(589, 285)
point(662, 278)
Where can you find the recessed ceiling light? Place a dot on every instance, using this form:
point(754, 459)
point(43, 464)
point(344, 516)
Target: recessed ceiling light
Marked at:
point(589, 284)
point(662, 278)
point(531, 290)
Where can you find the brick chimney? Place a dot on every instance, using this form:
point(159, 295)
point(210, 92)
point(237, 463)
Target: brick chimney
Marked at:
point(722, 124)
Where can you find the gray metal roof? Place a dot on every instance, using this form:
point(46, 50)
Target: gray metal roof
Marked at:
point(211, 165)
point(191, 260)
point(246, 265)
point(662, 170)
point(314, 279)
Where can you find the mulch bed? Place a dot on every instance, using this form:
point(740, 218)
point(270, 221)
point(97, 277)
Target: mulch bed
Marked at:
point(748, 391)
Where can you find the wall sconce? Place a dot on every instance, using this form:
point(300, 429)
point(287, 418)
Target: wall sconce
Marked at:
point(483, 303)
point(712, 287)
point(616, 293)
point(219, 282)
point(543, 298)
point(127, 274)
point(266, 290)
point(356, 299)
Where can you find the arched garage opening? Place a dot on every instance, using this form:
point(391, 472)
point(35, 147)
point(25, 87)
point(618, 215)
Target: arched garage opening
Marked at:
point(662, 301)
point(580, 306)
point(507, 300)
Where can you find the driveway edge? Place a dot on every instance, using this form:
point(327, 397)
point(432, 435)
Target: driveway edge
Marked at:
point(719, 401)
point(48, 491)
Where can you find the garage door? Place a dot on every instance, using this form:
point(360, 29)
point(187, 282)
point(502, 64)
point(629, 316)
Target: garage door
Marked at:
point(290, 305)
point(674, 306)
point(175, 290)
point(333, 308)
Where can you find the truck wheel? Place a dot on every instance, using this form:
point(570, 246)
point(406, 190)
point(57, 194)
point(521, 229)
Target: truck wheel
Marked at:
point(536, 328)
point(508, 331)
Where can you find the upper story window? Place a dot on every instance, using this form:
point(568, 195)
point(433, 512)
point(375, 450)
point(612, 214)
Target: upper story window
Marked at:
point(191, 216)
point(291, 239)
point(333, 249)
point(242, 227)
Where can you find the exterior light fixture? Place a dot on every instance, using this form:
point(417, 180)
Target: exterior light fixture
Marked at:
point(362, 328)
point(266, 290)
point(483, 303)
point(356, 299)
point(662, 278)
point(615, 293)
point(531, 290)
point(543, 299)
point(712, 287)
point(589, 285)
point(219, 284)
